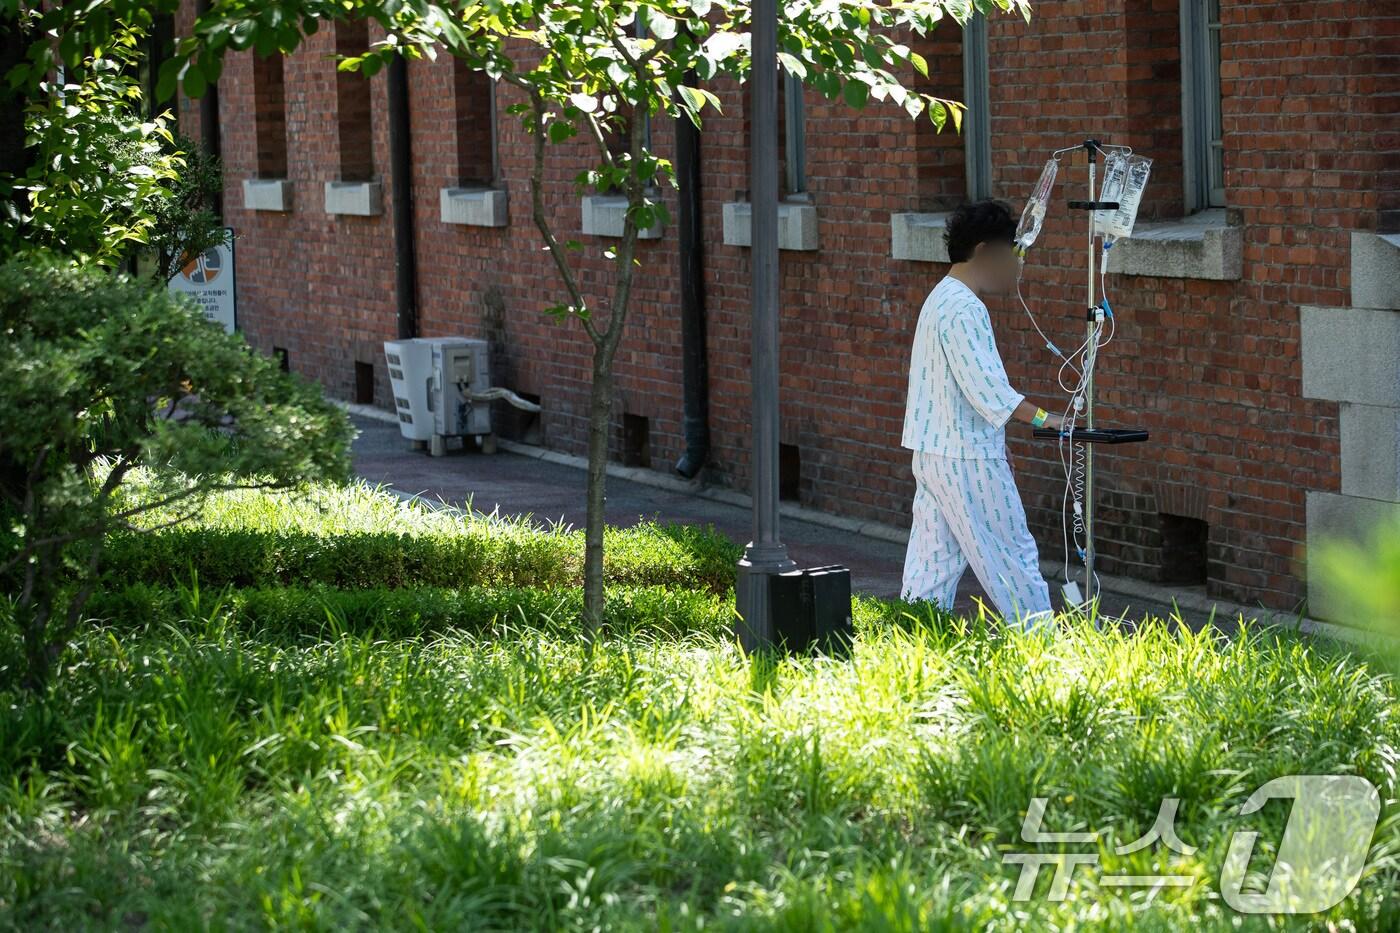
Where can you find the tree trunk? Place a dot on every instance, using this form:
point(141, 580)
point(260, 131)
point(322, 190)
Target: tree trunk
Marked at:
point(599, 428)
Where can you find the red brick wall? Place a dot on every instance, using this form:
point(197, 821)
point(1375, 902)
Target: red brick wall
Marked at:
point(1211, 368)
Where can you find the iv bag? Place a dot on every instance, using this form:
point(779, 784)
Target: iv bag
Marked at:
point(1033, 216)
point(1124, 178)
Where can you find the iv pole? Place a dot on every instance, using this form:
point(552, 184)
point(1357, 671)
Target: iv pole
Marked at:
point(1089, 435)
point(1091, 146)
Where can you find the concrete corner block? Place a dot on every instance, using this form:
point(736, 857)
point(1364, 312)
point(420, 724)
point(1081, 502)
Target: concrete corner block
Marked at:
point(918, 237)
point(1194, 248)
point(354, 198)
point(267, 194)
point(606, 215)
point(797, 225)
point(1351, 355)
point(1370, 451)
point(1375, 270)
point(474, 207)
point(1338, 517)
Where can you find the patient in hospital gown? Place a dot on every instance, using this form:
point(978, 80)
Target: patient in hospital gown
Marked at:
point(966, 506)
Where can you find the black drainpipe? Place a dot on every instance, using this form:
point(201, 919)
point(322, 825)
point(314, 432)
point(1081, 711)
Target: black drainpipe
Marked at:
point(209, 119)
point(694, 367)
point(401, 180)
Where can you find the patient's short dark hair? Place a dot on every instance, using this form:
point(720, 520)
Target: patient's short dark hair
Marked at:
point(979, 222)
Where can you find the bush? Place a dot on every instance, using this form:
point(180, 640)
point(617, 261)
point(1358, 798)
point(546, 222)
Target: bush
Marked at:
point(286, 612)
point(646, 555)
point(360, 537)
point(1361, 579)
point(102, 374)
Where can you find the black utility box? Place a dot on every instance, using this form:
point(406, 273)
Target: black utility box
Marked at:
point(812, 609)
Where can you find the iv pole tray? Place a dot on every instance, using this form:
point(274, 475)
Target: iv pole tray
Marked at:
point(1096, 435)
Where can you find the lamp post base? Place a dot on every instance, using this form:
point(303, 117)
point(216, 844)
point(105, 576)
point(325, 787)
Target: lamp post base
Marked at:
point(753, 595)
point(795, 611)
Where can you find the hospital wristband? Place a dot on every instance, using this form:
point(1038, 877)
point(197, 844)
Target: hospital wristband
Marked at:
point(1040, 416)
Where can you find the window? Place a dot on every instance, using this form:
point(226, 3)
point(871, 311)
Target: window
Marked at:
point(477, 155)
point(354, 121)
point(1203, 137)
point(954, 167)
point(641, 33)
point(976, 127)
point(794, 137)
point(270, 116)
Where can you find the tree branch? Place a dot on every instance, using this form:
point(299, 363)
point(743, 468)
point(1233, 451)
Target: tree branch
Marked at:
point(636, 191)
point(561, 261)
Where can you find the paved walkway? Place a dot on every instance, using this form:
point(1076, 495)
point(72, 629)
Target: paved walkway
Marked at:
point(513, 483)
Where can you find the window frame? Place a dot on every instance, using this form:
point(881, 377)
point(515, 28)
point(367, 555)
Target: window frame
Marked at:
point(976, 128)
point(1203, 142)
point(794, 135)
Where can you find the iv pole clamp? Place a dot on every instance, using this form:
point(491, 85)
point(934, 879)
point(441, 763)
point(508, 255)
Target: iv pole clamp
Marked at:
point(1089, 435)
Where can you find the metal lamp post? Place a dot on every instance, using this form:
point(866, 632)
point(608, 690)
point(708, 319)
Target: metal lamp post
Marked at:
point(766, 555)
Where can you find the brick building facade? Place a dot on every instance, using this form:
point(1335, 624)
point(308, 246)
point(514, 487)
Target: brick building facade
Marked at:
point(1277, 169)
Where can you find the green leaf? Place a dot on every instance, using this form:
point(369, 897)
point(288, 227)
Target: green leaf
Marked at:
point(660, 26)
point(694, 100)
point(920, 63)
point(856, 93)
point(793, 64)
point(195, 85)
point(938, 114)
point(168, 79)
point(213, 67)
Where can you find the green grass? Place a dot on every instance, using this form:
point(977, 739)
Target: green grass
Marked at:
point(457, 758)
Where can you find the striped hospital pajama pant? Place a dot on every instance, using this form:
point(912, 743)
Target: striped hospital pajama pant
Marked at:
point(969, 512)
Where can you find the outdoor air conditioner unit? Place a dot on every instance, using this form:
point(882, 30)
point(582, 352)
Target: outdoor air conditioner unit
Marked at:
point(442, 389)
point(458, 393)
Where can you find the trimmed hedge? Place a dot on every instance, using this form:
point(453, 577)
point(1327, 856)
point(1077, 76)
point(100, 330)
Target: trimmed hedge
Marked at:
point(398, 613)
point(472, 555)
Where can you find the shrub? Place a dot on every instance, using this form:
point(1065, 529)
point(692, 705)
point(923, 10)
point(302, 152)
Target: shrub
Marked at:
point(645, 555)
point(291, 611)
point(360, 537)
point(103, 374)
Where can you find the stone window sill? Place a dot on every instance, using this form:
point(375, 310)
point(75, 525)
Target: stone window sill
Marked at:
point(354, 198)
point(797, 225)
point(267, 194)
point(1201, 246)
point(606, 215)
point(918, 237)
point(477, 206)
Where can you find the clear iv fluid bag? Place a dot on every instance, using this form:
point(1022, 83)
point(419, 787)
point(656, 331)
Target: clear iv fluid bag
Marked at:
point(1033, 216)
point(1125, 177)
